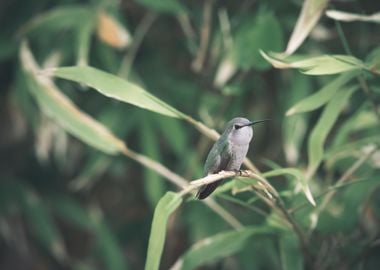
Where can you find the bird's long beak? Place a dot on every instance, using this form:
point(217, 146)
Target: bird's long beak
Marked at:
point(255, 122)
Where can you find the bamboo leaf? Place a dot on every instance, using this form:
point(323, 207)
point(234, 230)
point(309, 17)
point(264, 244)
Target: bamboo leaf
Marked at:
point(362, 120)
point(322, 96)
point(310, 14)
point(319, 65)
point(298, 176)
point(322, 128)
point(215, 247)
point(169, 6)
point(114, 87)
point(291, 257)
point(64, 17)
point(70, 210)
point(42, 225)
point(165, 207)
point(350, 17)
point(58, 107)
point(252, 36)
point(83, 35)
point(111, 32)
point(154, 185)
point(108, 247)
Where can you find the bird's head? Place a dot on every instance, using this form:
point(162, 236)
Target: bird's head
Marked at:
point(239, 130)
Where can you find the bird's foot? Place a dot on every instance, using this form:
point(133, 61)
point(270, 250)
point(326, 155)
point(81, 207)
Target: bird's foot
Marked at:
point(240, 172)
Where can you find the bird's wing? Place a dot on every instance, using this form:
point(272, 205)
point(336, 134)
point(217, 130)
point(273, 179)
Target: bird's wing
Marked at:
point(217, 159)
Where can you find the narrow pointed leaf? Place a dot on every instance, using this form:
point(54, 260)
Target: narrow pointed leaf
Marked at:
point(350, 17)
point(108, 248)
point(154, 185)
point(65, 17)
point(115, 87)
point(298, 176)
point(319, 65)
point(169, 6)
point(322, 128)
point(310, 14)
point(215, 247)
point(165, 207)
point(112, 32)
point(291, 256)
point(58, 107)
point(42, 225)
point(83, 35)
point(322, 96)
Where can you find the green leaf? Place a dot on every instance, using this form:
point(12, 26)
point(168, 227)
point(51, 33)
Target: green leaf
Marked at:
point(310, 14)
point(322, 128)
point(350, 17)
point(322, 96)
point(253, 36)
point(83, 34)
point(70, 210)
point(115, 87)
point(38, 218)
point(64, 17)
point(320, 65)
point(215, 247)
point(353, 149)
point(294, 128)
point(154, 185)
point(362, 120)
point(174, 133)
point(108, 248)
point(298, 176)
point(291, 256)
point(58, 107)
point(169, 6)
point(165, 207)
point(42, 225)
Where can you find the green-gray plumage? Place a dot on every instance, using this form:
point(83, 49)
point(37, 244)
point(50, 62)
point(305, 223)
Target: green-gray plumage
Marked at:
point(228, 152)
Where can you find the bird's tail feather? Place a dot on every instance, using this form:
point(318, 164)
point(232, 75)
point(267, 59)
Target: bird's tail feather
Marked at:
point(206, 190)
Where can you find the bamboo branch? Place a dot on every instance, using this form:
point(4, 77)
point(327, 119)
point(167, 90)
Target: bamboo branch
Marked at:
point(345, 177)
point(198, 62)
point(270, 196)
point(138, 38)
point(180, 182)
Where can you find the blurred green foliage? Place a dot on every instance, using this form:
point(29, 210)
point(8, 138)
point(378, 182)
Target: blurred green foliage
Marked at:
point(84, 174)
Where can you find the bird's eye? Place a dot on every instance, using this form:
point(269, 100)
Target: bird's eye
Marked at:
point(237, 126)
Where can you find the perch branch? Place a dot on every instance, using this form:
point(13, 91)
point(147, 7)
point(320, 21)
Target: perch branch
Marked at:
point(180, 182)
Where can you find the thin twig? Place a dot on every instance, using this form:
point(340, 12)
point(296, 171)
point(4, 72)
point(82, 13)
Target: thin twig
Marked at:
point(180, 182)
point(272, 199)
point(361, 79)
point(138, 37)
point(205, 37)
point(333, 188)
point(225, 26)
point(345, 177)
point(188, 30)
point(223, 213)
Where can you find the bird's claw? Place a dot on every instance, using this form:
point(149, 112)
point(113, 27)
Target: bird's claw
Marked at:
point(240, 172)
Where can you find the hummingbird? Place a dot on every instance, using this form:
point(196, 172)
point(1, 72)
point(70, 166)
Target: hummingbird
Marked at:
point(228, 152)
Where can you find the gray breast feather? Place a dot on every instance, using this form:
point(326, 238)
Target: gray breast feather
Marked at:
point(238, 153)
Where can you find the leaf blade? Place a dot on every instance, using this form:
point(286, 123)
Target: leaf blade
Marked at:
point(115, 87)
point(322, 96)
point(214, 247)
point(296, 174)
point(59, 107)
point(322, 128)
point(167, 204)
